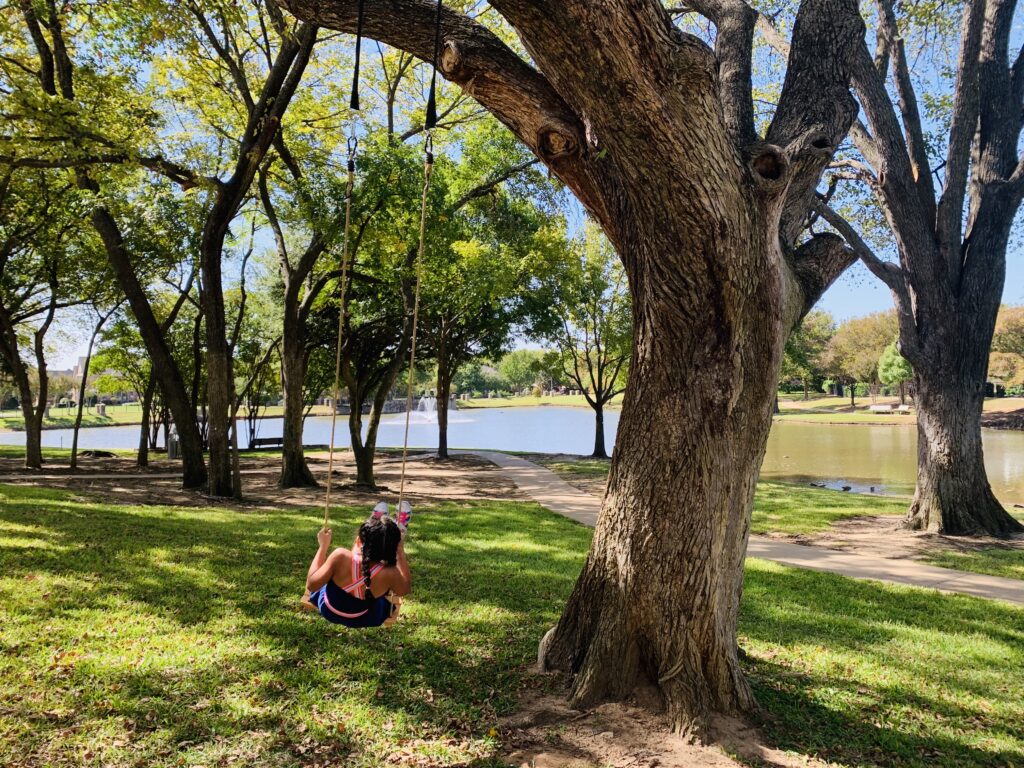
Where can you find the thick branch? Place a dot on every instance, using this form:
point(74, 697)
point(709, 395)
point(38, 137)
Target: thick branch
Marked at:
point(961, 133)
point(474, 58)
point(816, 108)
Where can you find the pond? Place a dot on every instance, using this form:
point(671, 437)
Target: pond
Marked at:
point(859, 456)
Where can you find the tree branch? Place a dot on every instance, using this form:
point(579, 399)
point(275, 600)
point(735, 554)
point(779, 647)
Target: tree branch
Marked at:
point(961, 134)
point(482, 189)
point(473, 58)
point(816, 108)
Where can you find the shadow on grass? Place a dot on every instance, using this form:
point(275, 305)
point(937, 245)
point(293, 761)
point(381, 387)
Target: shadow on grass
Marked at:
point(175, 627)
point(862, 673)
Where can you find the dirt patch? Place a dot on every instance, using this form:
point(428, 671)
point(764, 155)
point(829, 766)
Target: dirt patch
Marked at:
point(545, 733)
point(884, 537)
point(428, 480)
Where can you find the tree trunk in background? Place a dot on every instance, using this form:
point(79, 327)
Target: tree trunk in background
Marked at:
point(19, 372)
point(294, 469)
point(599, 449)
point(81, 397)
point(364, 452)
point(81, 387)
point(219, 377)
point(142, 460)
point(953, 495)
point(165, 369)
point(444, 392)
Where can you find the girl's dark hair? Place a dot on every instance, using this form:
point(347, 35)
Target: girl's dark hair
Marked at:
point(380, 537)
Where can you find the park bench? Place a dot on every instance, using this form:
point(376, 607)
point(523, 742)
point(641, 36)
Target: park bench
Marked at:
point(905, 409)
point(880, 409)
point(268, 442)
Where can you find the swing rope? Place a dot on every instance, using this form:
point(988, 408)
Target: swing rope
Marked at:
point(342, 314)
point(428, 169)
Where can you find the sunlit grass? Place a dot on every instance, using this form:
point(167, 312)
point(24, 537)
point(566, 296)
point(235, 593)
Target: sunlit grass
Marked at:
point(791, 509)
point(164, 636)
point(865, 674)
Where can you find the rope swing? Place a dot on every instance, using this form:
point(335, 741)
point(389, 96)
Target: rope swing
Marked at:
point(430, 123)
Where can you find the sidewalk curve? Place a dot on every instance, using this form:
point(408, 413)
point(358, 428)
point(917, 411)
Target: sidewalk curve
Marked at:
point(551, 491)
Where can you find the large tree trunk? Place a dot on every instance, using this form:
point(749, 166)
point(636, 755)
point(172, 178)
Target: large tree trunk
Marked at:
point(657, 139)
point(690, 441)
point(219, 377)
point(294, 469)
point(953, 495)
point(599, 449)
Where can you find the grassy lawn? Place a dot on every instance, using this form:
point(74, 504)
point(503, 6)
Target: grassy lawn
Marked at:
point(995, 562)
point(792, 509)
point(64, 418)
point(865, 674)
point(59, 454)
point(825, 409)
point(131, 413)
point(778, 507)
point(787, 508)
point(163, 636)
point(573, 401)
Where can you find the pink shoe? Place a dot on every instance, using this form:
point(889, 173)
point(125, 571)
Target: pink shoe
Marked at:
point(381, 510)
point(404, 515)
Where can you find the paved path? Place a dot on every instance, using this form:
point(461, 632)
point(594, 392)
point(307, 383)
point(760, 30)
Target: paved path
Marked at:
point(551, 491)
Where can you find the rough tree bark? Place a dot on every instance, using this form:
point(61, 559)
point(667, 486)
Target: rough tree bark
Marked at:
point(949, 278)
point(654, 133)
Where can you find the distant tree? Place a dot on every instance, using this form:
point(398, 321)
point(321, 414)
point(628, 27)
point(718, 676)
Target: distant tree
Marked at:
point(895, 370)
point(102, 315)
point(1006, 363)
point(804, 352)
point(520, 368)
point(1009, 333)
point(593, 328)
point(853, 352)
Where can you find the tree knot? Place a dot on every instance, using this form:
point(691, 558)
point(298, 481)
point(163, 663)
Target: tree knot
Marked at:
point(769, 166)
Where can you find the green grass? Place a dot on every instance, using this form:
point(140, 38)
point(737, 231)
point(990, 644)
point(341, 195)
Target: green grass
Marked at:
point(992, 560)
point(778, 507)
point(130, 413)
point(64, 418)
point(163, 636)
point(793, 509)
point(836, 417)
point(59, 454)
point(864, 674)
point(790, 509)
point(573, 401)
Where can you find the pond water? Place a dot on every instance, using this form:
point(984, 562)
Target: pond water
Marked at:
point(860, 456)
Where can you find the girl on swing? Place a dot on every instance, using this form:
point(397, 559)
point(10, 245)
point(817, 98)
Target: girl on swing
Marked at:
point(362, 587)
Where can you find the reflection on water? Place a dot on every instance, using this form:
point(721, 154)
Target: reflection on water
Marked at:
point(860, 456)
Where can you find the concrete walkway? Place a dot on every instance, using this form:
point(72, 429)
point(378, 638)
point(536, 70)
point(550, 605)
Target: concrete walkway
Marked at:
point(551, 491)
